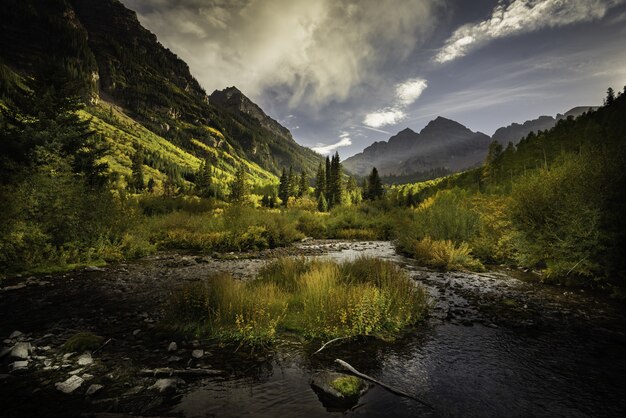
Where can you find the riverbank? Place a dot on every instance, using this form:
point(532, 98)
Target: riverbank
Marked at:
point(479, 325)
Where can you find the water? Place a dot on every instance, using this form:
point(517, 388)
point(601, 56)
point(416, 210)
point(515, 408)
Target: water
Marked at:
point(549, 355)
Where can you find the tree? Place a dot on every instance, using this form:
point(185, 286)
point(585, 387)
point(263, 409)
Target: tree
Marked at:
point(137, 182)
point(328, 180)
point(204, 179)
point(322, 205)
point(610, 97)
point(320, 181)
point(291, 183)
point(490, 167)
point(151, 185)
point(239, 186)
point(375, 188)
point(283, 187)
point(303, 188)
point(336, 187)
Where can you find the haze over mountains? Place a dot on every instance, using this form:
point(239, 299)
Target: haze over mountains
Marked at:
point(443, 146)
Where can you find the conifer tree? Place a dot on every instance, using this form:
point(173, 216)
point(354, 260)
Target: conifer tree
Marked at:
point(283, 187)
point(291, 183)
point(204, 179)
point(137, 182)
point(320, 181)
point(328, 180)
point(322, 205)
point(303, 188)
point(375, 188)
point(239, 186)
point(336, 186)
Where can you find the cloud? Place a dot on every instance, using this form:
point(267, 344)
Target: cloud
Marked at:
point(406, 94)
point(409, 91)
point(311, 52)
point(344, 141)
point(521, 16)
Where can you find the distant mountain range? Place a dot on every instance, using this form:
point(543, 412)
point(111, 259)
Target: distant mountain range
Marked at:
point(443, 146)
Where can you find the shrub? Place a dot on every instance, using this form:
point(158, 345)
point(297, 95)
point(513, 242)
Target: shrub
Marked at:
point(83, 341)
point(445, 255)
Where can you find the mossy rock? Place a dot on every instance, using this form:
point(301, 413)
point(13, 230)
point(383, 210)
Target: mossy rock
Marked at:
point(338, 390)
point(83, 341)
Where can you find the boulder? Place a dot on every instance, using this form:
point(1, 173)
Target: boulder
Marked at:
point(85, 360)
point(18, 366)
point(197, 353)
point(70, 385)
point(93, 389)
point(21, 351)
point(338, 390)
point(172, 347)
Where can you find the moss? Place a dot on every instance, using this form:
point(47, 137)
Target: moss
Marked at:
point(347, 385)
point(83, 341)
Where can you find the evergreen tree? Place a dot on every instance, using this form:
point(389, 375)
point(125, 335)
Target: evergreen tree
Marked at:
point(320, 181)
point(137, 182)
point(610, 97)
point(322, 205)
point(265, 201)
point(283, 187)
point(328, 180)
point(204, 179)
point(291, 183)
point(489, 170)
point(336, 186)
point(303, 188)
point(151, 185)
point(239, 186)
point(375, 188)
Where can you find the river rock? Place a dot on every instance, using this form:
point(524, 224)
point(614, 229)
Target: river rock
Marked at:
point(21, 351)
point(197, 353)
point(322, 385)
point(18, 366)
point(15, 334)
point(70, 385)
point(166, 385)
point(93, 268)
point(172, 347)
point(85, 360)
point(93, 389)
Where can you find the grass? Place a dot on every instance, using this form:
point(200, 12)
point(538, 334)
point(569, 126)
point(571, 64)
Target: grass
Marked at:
point(445, 255)
point(82, 341)
point(347, 385)
point(315, 299)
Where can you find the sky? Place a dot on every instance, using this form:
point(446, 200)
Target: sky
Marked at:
point(342, 74)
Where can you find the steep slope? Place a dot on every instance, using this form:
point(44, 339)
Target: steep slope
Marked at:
point(515, 131)
point(442, 144)
point(130, 80)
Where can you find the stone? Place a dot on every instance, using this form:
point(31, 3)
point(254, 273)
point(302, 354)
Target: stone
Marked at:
point(77, 371)
point(322, 384)
point(18, 366)
point(70, 385)
point(5, 351)
point(21, 351)
point(93, 389)
point(67, 355)
point(136, 332)
point(93, 269)
point(166, 385)
point(87, 377)
point(15, 334)
point(174, 359)
point(172, 347)
point(197, 353)
point(85, 359)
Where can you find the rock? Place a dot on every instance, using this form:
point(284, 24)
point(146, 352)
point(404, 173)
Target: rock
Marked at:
point(87, 377)
point(166, 385)
point(77, 371)
point(21, 351)
point(323, 383)
point(18, 366)
point(93, 268)
point(93, 389)
point(67, 355)
point(197, 353)
point(172, 347)
point(174, 359)
point(136, 332)
point(15, 334)
point(85, 360)
point(5, 351)
point(70, 385)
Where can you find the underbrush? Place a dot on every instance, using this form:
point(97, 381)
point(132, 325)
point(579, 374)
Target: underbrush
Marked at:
point(316, 299)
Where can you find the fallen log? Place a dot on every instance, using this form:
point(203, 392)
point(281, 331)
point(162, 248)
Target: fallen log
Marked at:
point(354, 371)
point(167, 372)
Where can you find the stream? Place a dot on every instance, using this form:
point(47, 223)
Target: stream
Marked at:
point(494, 344)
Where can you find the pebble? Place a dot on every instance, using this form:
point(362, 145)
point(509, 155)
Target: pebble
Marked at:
point(136, 332)
point(18, 365)
point(172, 347)
point(197, 353)
point(77, 371)
point(93, 389)
point(70, 385)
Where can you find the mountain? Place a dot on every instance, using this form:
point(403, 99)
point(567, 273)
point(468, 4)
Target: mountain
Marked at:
point(515, 132)
point(139, 93)
point(442, 144)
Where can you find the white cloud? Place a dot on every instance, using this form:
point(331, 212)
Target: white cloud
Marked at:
point(344, 141)
point(406, 94)
point(384, 117)
point(521, 16)
point(409, 91)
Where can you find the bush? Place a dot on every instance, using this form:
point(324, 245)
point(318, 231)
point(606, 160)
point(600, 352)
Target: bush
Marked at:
point(445, 255)
point(313, 298)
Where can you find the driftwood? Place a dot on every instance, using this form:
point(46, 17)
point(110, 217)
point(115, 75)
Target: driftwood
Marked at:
point(329, 342)
point(354, 371)
point(167, 372)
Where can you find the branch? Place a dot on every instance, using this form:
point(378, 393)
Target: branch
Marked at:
point(354, 371)
point(329, 342)
point(167, 372)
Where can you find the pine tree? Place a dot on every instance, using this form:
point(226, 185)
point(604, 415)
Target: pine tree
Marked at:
point(320, 181)
point(137, 182)
point(151, 185)
point(291, 183)
point(328, 180)
point(204, 179)
point(490, 169)
point(322, 205)
point(610, 96)
point(303, 188)
point(336, 186)
point(283, 187)
point(375, 188)
point(239, 186)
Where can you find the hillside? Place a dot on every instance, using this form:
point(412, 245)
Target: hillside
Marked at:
point(442, 144)
point(140, 94)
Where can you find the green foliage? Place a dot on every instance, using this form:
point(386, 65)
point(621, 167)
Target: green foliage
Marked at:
point(347, 385)
point(82, 341)
point(313, 298)
point(374, 186)
point(445, 255)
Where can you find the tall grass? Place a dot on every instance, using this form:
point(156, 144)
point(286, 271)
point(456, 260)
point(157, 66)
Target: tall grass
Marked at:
point(313, 298)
